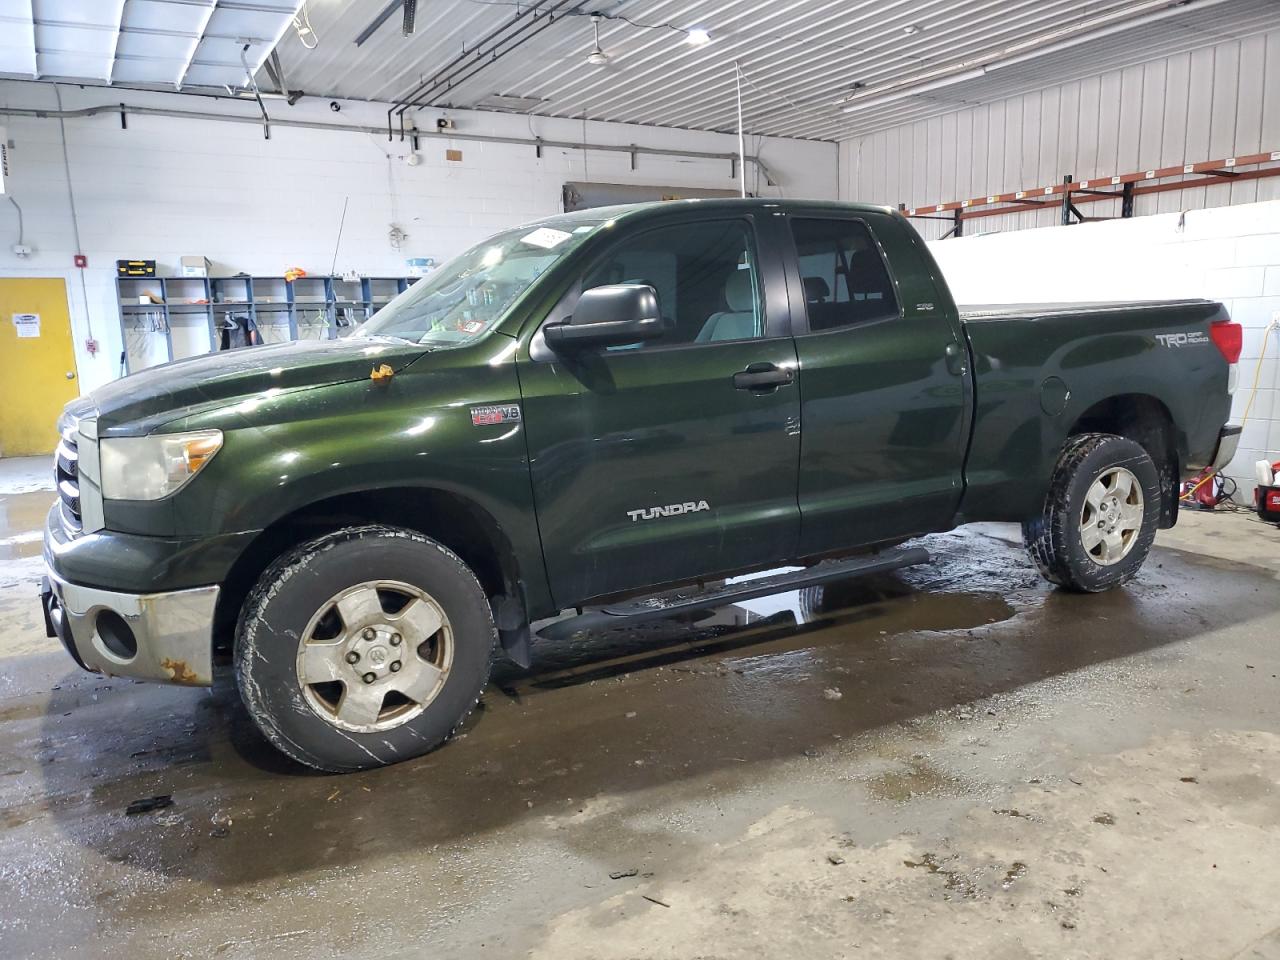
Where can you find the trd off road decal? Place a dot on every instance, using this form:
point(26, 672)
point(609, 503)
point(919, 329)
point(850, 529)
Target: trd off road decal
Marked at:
point(671, 510)
point(1182, 339)
point(496, 413)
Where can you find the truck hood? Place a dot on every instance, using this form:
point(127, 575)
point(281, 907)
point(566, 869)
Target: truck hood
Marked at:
point(172, 390)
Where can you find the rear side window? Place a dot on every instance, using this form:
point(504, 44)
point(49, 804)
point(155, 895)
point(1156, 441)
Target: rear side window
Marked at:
point(845, 280)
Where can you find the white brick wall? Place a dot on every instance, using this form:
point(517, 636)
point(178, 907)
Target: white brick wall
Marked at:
point(166, 187)
point(1230, 254)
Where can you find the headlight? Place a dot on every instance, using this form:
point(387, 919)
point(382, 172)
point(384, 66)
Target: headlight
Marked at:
point(148, 468)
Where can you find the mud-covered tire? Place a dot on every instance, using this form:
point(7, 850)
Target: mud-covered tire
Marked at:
point(1054, 537)
point(291, 593)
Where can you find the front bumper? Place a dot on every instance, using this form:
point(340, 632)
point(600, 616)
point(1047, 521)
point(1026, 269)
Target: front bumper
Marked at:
point(165, 637)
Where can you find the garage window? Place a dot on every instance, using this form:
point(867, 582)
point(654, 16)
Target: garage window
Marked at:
point(844, 277)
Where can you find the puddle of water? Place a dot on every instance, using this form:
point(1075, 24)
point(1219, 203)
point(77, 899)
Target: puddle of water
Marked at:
point(22, 519)
point(957, 882)
point(21, 522)
point(919, 778)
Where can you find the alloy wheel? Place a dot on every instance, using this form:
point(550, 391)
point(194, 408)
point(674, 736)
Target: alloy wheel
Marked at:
point(375, 655)
point(1111, 517)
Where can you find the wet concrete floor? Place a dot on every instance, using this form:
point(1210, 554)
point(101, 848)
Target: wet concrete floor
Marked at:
point(957, 761)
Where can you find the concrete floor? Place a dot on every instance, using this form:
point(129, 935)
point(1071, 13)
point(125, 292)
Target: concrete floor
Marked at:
point(954, 762)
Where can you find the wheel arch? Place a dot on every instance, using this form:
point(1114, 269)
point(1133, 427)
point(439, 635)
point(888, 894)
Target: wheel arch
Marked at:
point(1146, 420)
point(446, 516)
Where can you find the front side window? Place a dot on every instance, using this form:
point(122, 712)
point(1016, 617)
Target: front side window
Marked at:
point(463, 299)
point(705, 275)
point(845, 280)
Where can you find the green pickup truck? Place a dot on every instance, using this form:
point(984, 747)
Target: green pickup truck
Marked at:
point(602, 418)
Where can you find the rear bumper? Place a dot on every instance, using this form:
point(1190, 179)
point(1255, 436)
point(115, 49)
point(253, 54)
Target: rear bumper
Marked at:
point(1228, 443)
point(164, 637)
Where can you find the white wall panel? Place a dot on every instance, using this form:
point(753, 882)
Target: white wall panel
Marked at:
point(1215, 101)
point(168, 187)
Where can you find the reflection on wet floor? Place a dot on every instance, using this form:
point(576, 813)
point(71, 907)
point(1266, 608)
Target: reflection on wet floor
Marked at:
point(22, 522)
point(856, 673)
point(616, 711)
point(890, 601)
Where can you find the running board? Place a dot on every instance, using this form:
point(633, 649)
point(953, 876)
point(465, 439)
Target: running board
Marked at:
point(660, 607)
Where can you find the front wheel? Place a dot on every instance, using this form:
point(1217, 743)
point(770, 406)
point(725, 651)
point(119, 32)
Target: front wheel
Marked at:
point(362, 648)
point(1100, 514)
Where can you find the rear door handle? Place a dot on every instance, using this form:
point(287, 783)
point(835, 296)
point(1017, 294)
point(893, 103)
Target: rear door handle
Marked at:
point(763, 376)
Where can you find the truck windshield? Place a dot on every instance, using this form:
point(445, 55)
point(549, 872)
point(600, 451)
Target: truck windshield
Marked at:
point(463, 299)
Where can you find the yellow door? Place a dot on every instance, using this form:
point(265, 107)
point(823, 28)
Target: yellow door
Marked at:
point(37, 364)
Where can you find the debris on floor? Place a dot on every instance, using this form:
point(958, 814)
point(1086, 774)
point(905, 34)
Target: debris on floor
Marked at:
point(148, 805)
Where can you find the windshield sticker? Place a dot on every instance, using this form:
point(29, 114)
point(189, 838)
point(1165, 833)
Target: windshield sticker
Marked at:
point(546, 238)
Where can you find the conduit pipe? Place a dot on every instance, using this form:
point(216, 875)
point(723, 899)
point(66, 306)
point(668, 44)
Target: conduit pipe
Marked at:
point(632, 149)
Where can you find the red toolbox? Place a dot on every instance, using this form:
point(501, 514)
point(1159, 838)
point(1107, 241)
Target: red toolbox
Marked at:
point(1267, 500)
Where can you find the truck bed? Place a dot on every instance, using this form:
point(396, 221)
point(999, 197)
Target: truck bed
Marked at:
point(1040, 367)
point(1030, 311)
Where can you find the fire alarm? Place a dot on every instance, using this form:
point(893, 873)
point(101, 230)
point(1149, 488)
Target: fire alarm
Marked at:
point(81, 260)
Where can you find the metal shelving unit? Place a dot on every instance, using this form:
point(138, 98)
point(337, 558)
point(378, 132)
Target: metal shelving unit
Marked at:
point(182, 316)
point(1071, 194)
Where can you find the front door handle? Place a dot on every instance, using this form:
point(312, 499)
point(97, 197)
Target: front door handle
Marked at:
point(763, 376)
point(956, 364)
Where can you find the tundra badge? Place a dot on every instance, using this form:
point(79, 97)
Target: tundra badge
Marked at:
point(671, 510)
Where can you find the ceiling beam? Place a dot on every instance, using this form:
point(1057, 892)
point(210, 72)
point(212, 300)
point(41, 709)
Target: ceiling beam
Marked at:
point(148, 31)
point(195, 44)
point(288, 8)
point(21, 38)
point(270, 45)
point(115, 42)
point(378, 21)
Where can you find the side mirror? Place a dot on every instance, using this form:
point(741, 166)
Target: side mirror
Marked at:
point(608, 316)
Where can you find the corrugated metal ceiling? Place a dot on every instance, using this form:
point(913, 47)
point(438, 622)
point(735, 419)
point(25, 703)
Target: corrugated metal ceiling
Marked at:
point(800, 57)
point(161, 44)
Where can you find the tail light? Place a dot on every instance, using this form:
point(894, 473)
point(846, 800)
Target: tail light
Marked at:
point(1228, 337)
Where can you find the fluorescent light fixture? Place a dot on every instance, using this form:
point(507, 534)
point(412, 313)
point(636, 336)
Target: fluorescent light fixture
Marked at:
point(875, 100)
point(697, 37)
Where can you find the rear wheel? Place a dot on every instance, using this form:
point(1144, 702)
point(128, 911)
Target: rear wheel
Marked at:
point(363, 648)
point(1100, 515)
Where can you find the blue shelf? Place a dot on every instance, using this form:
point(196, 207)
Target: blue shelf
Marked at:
point(214, 289)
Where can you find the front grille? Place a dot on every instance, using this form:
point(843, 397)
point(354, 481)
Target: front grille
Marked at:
point(66, 475)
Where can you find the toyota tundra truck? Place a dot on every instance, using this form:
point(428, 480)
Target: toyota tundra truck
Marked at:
point(593, 420)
